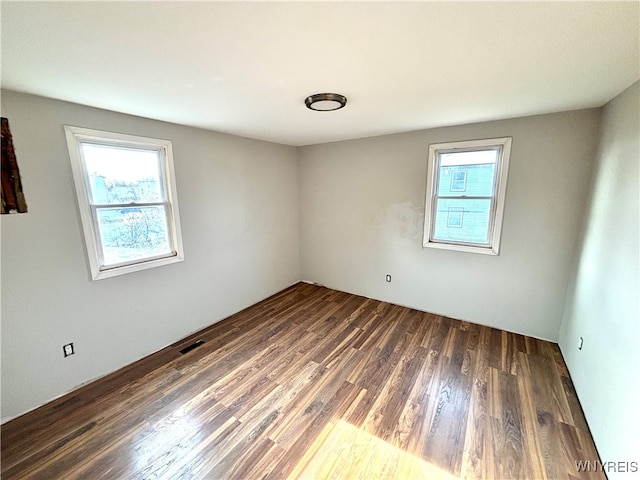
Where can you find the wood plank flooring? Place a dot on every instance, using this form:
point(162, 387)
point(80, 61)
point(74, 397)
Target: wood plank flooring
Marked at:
point(314, 383)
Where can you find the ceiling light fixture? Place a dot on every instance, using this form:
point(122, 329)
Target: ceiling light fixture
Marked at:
point(325, 102)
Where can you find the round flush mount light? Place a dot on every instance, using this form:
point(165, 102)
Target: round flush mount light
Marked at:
point(325, 102)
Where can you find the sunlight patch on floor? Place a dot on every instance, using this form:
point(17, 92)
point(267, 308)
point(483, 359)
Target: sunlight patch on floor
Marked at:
point(343, 451)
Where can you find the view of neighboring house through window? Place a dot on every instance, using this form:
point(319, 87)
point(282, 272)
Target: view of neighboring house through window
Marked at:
point(459, 180)
point(465, 195)
point(127, 200)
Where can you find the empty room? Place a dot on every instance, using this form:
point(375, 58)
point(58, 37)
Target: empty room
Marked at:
point(309, 240)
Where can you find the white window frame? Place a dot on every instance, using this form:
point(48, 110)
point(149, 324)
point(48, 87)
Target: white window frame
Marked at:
point(75, 137)
point(503, 146)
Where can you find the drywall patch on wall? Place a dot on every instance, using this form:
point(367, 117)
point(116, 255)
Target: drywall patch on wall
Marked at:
point(400, 222)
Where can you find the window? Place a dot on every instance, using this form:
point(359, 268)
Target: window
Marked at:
point(466, 187)
point(459, 181)
point(127, 199)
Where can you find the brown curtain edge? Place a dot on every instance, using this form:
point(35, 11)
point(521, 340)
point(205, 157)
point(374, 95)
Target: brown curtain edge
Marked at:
point(11, 184)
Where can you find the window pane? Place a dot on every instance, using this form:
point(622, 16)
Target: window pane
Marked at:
point(123, 175)
point(467, 173)
point(462, 220)
point(134, 233)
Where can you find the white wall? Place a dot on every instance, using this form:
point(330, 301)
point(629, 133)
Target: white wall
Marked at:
point(602, 306)
point(239, 211)
point(362, 211)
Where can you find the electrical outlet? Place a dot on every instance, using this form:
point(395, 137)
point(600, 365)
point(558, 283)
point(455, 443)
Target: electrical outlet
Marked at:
point(68, 349)
point(388, 278)
point(580, 343)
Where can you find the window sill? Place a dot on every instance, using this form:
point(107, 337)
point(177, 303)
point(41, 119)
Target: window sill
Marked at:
point(462, 248)
point(136, 267)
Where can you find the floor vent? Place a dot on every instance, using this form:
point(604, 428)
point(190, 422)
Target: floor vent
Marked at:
point(191, 347)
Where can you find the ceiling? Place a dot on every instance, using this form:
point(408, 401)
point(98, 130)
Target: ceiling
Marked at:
point(245, 68)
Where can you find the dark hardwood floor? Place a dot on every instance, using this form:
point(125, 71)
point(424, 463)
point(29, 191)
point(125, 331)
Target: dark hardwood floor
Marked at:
point(314, 383)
